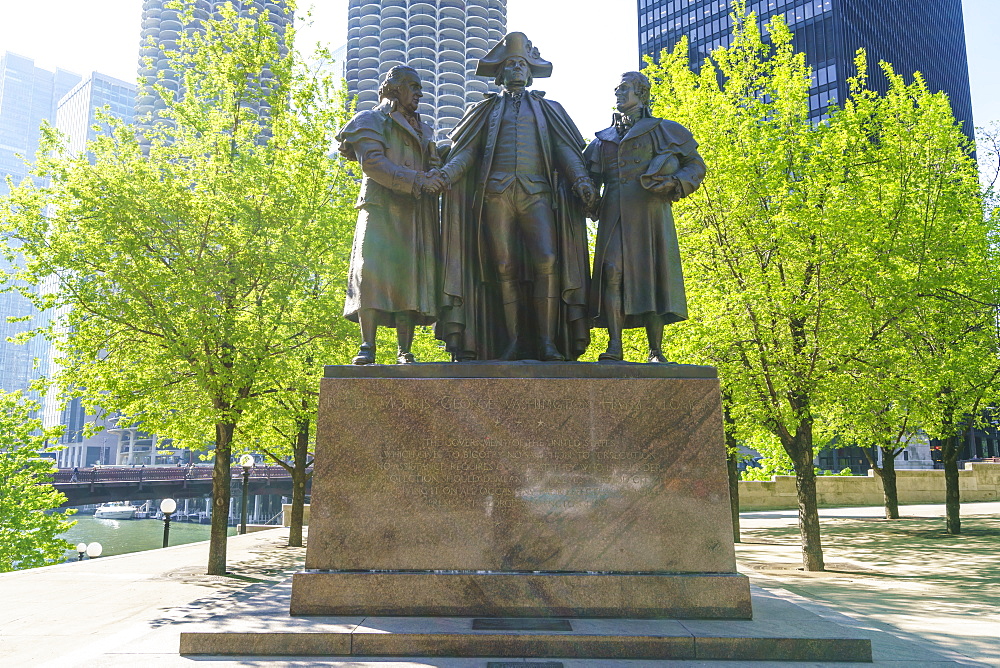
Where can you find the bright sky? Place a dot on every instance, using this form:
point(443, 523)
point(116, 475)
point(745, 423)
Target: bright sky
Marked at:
point(588, 41)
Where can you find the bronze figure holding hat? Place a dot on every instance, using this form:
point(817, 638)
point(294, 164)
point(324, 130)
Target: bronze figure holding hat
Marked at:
point(645, 164)
point(514, 242)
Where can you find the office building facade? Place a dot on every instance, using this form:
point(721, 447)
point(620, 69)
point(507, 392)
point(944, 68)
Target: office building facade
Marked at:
point(442, 39)
point(928, 37)
point(28, 96)
point(76, 115)
point(77, 119)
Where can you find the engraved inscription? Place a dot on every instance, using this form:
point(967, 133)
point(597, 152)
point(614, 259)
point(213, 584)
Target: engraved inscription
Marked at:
point(558, 474)
point(521, 475)
point(517, 405)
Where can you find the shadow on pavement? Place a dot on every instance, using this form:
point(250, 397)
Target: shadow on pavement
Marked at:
point(908, 573)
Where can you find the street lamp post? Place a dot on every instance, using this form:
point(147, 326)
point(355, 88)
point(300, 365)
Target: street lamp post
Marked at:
point(247, 462)
point(94, 550)
point(81, 549)
point(167, 507)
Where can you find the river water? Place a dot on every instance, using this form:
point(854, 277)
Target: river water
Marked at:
point(124, 536)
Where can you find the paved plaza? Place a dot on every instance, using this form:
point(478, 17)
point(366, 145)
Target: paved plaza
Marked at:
point(907, 576)
point(923, 597)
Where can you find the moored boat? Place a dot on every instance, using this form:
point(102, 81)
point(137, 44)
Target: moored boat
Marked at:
point(115, 510)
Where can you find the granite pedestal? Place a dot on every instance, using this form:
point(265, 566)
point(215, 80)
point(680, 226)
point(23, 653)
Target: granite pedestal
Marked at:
point(521, 490)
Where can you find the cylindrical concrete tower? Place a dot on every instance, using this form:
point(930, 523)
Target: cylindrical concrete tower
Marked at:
point(441, 39)
point(164, 26)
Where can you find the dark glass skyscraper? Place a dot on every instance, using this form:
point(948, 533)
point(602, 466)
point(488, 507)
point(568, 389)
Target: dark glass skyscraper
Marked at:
point(914, 35)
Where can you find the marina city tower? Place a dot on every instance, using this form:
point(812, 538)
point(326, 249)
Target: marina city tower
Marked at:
point(161, 29)
point(441, 39)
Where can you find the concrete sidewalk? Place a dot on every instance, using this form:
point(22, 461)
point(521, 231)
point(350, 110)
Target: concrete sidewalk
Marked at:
point(907, 576)
point(71, 614)
point(128, 610)
point(756, 519)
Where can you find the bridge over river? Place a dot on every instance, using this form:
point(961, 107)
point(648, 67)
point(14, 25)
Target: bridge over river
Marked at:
point(103, 484)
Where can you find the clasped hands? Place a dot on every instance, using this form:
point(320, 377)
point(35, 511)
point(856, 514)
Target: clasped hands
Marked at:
point(586, 191)
point(434, 181)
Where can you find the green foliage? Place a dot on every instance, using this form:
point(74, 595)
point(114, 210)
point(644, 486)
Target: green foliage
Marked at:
point(425, 348)
point(29, 531)
point(839, 273)
point(925, 251)
point(197, 273)
point(186, 278)
point(777, 463)
point(762, 264)
point(811, 247)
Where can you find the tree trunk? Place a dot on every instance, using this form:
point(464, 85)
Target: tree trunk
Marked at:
point(734, 491)
point(952, 501)
point(888, 476)
point(299, 477)
point(732, 459)
point(801, 452)
point(812, 548)
point(221, 481)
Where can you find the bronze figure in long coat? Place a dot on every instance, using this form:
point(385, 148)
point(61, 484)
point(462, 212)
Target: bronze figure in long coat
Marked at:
point(515, 264)
point(644, 164)
point(393, 276)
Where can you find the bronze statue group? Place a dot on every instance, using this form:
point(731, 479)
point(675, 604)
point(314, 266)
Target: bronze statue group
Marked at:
point(487, 238)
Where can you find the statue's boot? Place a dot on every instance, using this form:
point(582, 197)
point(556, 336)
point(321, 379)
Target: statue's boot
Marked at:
point(509, 295)
point(366, 354)
point(654, 334)
point(404, 337)
point(614, 317)
point(547, 314)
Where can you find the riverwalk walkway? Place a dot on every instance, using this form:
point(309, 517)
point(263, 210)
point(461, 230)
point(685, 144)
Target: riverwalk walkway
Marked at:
point(924, 598)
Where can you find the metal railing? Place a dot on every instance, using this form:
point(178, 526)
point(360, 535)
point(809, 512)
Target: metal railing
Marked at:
point(158, 473)
point(276, 520)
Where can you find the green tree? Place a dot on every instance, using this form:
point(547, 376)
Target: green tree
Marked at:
point(875, 411)
point(921, 243)
point(759, 255)
point(773, 459)
point(796, 224)
point(280, 426)
point(194, 276)
point(957, 343)
point(29, 530)
point(733, 458)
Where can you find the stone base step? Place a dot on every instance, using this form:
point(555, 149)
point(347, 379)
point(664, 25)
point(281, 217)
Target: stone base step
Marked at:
point(780, 631)
point(621, 595)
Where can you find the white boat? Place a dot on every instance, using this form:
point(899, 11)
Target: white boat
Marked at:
point(116, 510)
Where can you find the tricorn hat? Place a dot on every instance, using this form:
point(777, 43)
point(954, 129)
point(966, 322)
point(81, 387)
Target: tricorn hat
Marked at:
point(513, 44)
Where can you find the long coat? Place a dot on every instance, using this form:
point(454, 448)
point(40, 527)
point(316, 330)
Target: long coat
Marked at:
point(395, 257)
point(471, 322)
point(652, 150)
